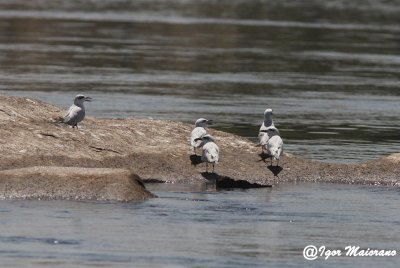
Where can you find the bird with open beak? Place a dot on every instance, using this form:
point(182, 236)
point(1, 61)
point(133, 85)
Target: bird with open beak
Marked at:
point(76, 112)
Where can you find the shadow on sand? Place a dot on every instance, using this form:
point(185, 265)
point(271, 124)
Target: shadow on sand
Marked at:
point(195, 159)
point(274, 169)
point(264, 157)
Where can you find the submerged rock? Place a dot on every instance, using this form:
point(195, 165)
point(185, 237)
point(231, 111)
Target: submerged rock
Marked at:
point(71, 183)
point(157, 150)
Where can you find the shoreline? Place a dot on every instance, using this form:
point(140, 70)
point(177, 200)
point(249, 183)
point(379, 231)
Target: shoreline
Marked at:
point(158, 150)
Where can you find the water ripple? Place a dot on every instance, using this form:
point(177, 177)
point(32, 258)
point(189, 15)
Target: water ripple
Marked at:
point(150, 18)
point(34, 240)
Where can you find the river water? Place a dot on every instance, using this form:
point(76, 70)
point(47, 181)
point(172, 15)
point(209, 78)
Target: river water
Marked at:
point(197, 226)
point(329, 69)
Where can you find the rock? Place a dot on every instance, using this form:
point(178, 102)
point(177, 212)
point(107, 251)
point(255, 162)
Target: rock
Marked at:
point(72, 183)
point(157, 150)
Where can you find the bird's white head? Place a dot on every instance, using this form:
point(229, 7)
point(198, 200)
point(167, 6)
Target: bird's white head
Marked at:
point(268, 112)
point(80, 99)
point(202, 122)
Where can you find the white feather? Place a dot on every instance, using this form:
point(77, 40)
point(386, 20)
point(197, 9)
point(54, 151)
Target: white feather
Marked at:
point(210, 152)
point(275, 147)
point(197, 133)
point(266, 134)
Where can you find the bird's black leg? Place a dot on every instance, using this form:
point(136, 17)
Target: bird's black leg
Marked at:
point(206, 167)
point(213, 168)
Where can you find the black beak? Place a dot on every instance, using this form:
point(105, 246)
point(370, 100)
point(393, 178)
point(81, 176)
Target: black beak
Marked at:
point(210, 122)
point(198, 139)
point(88, 99)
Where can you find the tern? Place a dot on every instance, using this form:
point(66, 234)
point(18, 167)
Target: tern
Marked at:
point(76, 112)
point(199, 131)
point(210, 151)
point(274, 148)
point(267, 129)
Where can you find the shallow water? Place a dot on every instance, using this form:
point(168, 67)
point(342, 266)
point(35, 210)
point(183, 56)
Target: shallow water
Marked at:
point(329, 69)
point(196, 226)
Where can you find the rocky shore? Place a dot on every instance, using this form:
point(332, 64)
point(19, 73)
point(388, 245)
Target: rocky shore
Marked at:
point(155, 150)
point(48, 182)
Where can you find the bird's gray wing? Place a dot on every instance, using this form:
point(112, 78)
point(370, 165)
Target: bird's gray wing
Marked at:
point(72, 115)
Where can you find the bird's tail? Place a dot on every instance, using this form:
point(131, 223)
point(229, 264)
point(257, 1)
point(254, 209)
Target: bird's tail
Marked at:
point(214, 157)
